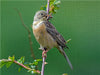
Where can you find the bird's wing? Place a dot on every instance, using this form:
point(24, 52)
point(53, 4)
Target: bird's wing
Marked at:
point(55, 34)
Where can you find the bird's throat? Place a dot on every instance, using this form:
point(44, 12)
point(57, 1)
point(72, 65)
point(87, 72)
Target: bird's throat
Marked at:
point(37, 24)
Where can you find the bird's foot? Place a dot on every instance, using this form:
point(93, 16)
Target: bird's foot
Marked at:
point(44, 53)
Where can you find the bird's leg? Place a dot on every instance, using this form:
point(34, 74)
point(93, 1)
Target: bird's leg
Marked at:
point(44, 53)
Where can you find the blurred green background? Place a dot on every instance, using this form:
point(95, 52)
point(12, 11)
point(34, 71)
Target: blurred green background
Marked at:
point(78, 20)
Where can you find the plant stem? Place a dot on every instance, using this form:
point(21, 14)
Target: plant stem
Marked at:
point(29, 33)
point(43, 64)
point(45, 53)
point(48, 3)
point(22, 65)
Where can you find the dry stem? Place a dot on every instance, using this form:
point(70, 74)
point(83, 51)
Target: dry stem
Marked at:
point(29, 33)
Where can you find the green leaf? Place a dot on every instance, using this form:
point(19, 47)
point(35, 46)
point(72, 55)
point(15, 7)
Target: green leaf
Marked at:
point(43, 8)
point(5, 62)
point(57, 2)
point(68, 40)
point(8, 64)
point(32, 71)
point(19, 69)
point(21, 60)
point(54, 6)
point(11, 58)
point(2, 63)
point(52, 0)
point(29, 70)
point(33, 67)
point(36, 61)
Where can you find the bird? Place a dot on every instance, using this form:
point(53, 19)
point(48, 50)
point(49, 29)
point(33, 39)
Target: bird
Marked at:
point(47, 35)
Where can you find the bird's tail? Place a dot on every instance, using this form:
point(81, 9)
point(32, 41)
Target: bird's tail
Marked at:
point(66, 57)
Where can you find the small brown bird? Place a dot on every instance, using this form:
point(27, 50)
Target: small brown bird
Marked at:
point(47, 35)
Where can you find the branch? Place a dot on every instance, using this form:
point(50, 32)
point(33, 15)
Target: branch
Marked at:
point(43, 64)
point(48, 3)
point(44, 54)
point(29, 33)
point(20, 64)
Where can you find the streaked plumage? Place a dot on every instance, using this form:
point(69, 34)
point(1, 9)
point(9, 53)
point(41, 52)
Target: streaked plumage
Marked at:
point(47, 35)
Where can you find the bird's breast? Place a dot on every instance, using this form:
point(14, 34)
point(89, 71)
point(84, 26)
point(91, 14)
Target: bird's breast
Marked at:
point(42, 36)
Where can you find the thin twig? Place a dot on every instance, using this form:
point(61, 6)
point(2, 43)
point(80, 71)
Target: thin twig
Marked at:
point(48, 9)
point(29, 33)
point(20, 64)
point(44, 55)
point(48, 3)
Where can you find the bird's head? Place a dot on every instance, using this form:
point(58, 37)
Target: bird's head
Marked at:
point(40, 15)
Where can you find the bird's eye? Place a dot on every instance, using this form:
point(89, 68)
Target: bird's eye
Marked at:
point(41, 13)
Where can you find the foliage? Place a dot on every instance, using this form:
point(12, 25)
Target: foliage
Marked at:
point(21, 62)
point(7, 62)
point(68, 40)
point(54, 6)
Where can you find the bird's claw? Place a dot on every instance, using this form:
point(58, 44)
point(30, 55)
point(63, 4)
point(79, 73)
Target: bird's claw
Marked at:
point(44, 53)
